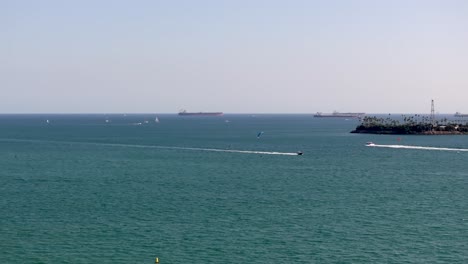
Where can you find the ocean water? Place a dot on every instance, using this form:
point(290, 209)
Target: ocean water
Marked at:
point(78, 189)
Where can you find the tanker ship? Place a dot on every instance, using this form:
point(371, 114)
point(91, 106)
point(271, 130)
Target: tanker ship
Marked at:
point(338, 114)
point(458, 114)
point(185, 113)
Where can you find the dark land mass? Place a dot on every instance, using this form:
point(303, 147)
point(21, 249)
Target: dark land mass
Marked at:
point(412, 125)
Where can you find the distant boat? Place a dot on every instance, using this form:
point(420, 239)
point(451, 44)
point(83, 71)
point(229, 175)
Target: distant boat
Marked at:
point(370, 144)
point(156, 120)
point(338, 114)
point(458, 114)
point(185, 113)
point(299, 153)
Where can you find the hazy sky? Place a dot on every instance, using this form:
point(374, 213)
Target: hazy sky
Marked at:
point(238, 56)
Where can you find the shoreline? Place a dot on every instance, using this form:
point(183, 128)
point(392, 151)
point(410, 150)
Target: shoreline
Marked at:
point(389, 132)
point(411, 125)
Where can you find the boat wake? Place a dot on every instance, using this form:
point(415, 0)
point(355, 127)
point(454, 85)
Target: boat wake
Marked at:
point(416, 147)
point(241, 151)
point(155, 147)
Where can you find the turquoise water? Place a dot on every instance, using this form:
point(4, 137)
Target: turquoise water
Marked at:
point(80, 190)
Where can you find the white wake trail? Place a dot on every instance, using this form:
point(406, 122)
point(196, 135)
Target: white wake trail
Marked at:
point(241, 151)
point(416, 147)
point(152, 146)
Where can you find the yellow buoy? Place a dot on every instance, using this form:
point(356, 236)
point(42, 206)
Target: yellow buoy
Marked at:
point(157, 260)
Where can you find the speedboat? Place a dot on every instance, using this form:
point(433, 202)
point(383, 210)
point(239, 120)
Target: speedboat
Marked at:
point(370, 144)
point(299, 153)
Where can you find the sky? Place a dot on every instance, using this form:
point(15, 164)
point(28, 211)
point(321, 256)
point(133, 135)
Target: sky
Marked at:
point(235, 56)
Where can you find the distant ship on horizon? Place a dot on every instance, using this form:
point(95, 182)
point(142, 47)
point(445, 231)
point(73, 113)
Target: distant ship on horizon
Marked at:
point(458, 114)
point(185, 113)
point(338, 114)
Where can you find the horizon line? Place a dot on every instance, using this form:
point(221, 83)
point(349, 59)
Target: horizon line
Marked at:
point(224, 113)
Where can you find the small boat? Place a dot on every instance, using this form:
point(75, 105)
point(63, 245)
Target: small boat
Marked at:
point(370, 144)
point(299, 153)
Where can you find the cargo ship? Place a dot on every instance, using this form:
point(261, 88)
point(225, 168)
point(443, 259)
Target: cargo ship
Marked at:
point(338, 114)
point(458, 114)
point(185, 113)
